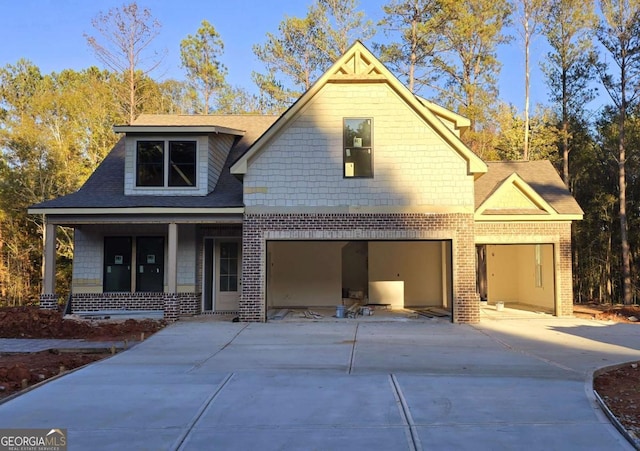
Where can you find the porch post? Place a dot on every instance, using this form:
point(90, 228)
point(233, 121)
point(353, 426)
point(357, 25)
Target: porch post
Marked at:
point(172, 250)
point(171, 301)
point(48, 298)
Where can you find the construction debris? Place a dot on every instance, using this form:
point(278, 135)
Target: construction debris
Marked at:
point(312, 315)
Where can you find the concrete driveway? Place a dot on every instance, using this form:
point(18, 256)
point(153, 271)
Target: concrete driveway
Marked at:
point(413, 384)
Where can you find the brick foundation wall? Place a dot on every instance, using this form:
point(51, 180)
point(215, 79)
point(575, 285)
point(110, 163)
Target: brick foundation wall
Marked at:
point(190, 304)
point(186, 303)
point(557, 233)
point(260, 228)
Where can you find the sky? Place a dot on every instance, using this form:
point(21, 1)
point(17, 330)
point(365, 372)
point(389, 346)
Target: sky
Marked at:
point(50, 33)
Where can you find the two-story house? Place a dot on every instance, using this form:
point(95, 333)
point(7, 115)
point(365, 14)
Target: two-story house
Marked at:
point(360, 186)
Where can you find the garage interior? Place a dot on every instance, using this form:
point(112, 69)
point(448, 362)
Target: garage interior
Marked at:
point(520, 276)
point(396, 275)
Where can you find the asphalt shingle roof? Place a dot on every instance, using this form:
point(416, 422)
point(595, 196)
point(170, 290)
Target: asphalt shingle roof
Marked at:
point(540, 175)
point(105, 187)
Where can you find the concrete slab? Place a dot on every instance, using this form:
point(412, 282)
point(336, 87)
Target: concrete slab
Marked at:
point(334, 385)
point(43, 344)
point(514, 436)
point(299, 438)
point(331, 357)
point(263, 400)
point(492, 400)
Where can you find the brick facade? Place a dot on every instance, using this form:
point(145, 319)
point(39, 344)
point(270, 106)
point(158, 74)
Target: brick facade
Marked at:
point(260, 228)
point(556, 233)
point(183, 304)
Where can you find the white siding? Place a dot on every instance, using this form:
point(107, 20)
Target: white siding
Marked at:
point(413, 166)
point(219, 146)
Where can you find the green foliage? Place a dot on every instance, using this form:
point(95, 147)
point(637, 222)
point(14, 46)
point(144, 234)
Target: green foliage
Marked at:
point(468, 64)
point(293, 53)
point(342, 24)
point(415, 26)
point(200, 57)
point(54, 130)
point(304, 48)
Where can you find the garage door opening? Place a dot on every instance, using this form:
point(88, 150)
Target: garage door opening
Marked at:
point(324, 274)
point(518, 276)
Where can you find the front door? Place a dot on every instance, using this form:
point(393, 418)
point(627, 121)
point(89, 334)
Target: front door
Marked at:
point(228, 275)
point(150, 264)
point(117, 264)
point(222, 269)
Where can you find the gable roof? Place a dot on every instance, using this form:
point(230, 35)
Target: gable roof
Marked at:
point(358, 64)
point(104, 189)
point(536, 181)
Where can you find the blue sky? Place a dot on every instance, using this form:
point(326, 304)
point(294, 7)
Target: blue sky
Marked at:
point(50, 33)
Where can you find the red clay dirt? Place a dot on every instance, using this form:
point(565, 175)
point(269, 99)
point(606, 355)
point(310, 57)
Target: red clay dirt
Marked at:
point(20, 370)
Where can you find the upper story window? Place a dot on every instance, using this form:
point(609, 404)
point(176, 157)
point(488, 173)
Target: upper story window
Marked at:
point(157, 167)
point(358, 149)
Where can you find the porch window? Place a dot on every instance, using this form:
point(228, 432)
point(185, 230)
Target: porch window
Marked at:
point(358, 149)
point(157, 168)
point(142, 256)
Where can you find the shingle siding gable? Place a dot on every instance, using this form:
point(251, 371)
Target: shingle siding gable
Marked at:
point(413, 165)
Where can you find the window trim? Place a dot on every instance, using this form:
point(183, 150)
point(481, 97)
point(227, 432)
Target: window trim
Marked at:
point(346, 148)
point(166, 165)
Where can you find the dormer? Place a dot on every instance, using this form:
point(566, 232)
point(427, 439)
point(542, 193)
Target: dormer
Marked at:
point(169, 155)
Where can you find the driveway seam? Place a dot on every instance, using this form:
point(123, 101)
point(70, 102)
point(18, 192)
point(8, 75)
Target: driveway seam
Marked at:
point(412, 436)
point(353, 349)
point(199, 364)
point(178, 444)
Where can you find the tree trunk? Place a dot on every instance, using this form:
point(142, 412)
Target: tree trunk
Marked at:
point(414, 45)
point(527, 42)
point(565, 131)
point(624, 228)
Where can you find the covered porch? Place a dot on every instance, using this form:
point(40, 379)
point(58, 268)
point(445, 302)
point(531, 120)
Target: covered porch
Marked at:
point(143, 263)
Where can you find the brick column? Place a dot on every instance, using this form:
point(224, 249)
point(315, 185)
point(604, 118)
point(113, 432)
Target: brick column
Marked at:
point(49, 301)
point(171, 307)
point(466, 308)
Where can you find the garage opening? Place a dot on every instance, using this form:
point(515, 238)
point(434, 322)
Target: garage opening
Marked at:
point(517, 276)
point(324, 274)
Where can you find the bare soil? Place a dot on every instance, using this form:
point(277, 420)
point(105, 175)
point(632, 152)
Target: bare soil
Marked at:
point(620, 388)
point(21, 370)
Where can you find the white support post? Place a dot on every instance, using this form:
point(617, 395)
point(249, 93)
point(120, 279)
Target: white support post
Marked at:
point(172, 259)
point(49, 272)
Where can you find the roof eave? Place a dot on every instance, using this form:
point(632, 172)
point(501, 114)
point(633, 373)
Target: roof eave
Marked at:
point(159, 129)
point(133, 210)
point(480, 217)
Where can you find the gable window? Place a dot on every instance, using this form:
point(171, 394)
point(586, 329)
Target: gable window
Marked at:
point(358, 149)
point(173, 168)
point(182, 163)
point(150, 163)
